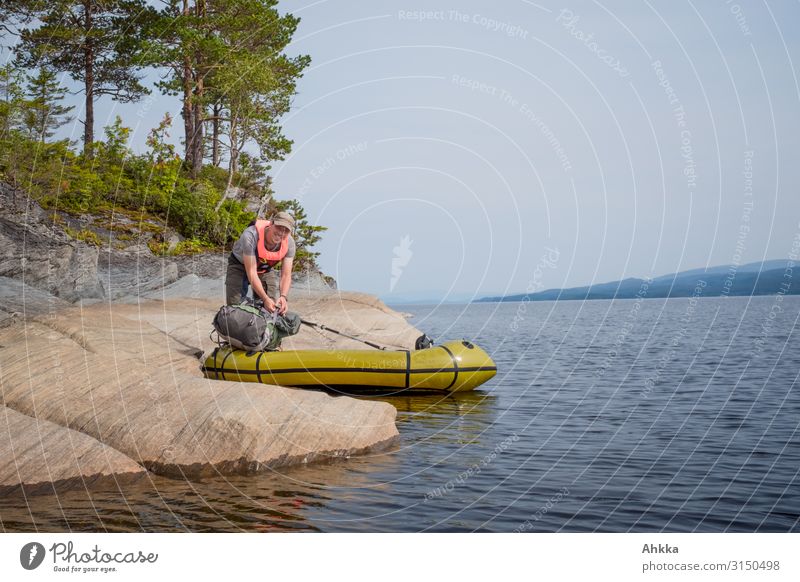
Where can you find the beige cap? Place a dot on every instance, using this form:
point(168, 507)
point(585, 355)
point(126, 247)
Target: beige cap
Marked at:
point(284, 219)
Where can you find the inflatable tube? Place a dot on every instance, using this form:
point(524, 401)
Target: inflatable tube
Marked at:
point(455, 366)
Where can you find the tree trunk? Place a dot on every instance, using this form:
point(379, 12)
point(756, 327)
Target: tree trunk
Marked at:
point(42, 129)
point(215, 143)
point(197, 104)
point(88, 63)
point(197, 138)
point(232, 163)
point(186, 112)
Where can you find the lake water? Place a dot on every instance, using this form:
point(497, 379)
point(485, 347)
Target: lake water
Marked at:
point(615, 416)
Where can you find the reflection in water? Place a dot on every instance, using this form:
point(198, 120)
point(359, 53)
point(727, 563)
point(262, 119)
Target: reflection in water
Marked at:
point(460, 418)
point(460, 403)
point(272, 501)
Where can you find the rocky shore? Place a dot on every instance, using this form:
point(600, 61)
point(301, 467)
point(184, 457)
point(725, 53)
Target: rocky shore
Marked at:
point(100, 367)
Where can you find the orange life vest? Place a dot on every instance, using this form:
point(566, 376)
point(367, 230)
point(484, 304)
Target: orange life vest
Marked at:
point(266, 258)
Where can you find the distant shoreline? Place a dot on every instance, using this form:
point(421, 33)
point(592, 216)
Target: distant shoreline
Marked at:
point(774, 277)
point(631, 298)
point(765, 278)
point(487, 301)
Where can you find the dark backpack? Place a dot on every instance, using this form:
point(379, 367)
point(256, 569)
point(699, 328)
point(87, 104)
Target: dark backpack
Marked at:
point(247, 328)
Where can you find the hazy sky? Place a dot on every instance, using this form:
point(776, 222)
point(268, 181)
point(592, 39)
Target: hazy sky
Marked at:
point(466, 148)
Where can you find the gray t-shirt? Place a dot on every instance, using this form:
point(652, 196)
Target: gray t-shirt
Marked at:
point(248, 242)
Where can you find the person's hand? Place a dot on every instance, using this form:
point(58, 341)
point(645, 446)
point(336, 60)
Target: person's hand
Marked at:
point(269, 304)
point(283, 305)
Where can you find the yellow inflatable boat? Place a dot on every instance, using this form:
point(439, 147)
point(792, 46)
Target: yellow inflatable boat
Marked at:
point(455, 366)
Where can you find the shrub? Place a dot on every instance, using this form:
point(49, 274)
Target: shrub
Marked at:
point(85, 235)
point(152, 187)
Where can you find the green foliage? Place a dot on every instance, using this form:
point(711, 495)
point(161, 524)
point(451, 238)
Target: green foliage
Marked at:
point(161, 151)
point(85, 235)
point(11, 99)
point(191, 247)
point(115, 149)
point(43, 114)
point(32, 165)
point(252, 173)
point(306, 235)
point(185, 247)
point(218, 177)
point(81, 190)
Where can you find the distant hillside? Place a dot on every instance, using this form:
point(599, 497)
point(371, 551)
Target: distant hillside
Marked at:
point(765, 278)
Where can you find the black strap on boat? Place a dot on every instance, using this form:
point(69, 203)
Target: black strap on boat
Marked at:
point(222, 365)
point(213, 358)
point(408, 368)
point(455, 367)
point(326, 328)
point(258, 367)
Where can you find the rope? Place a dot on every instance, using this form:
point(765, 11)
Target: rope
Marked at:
point(330, 329)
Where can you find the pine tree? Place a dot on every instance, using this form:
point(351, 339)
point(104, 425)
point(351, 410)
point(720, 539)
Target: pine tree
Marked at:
point(43, 113)
point(226, 59)
point(255, 81)
point(100, 43)
point(12, 98)
point(182, 44)
point(306, 235)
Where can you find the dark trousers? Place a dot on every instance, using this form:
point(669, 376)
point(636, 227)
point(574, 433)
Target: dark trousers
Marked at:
point(237, 284)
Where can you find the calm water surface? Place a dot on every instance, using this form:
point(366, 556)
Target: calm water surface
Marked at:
point(649, 415)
